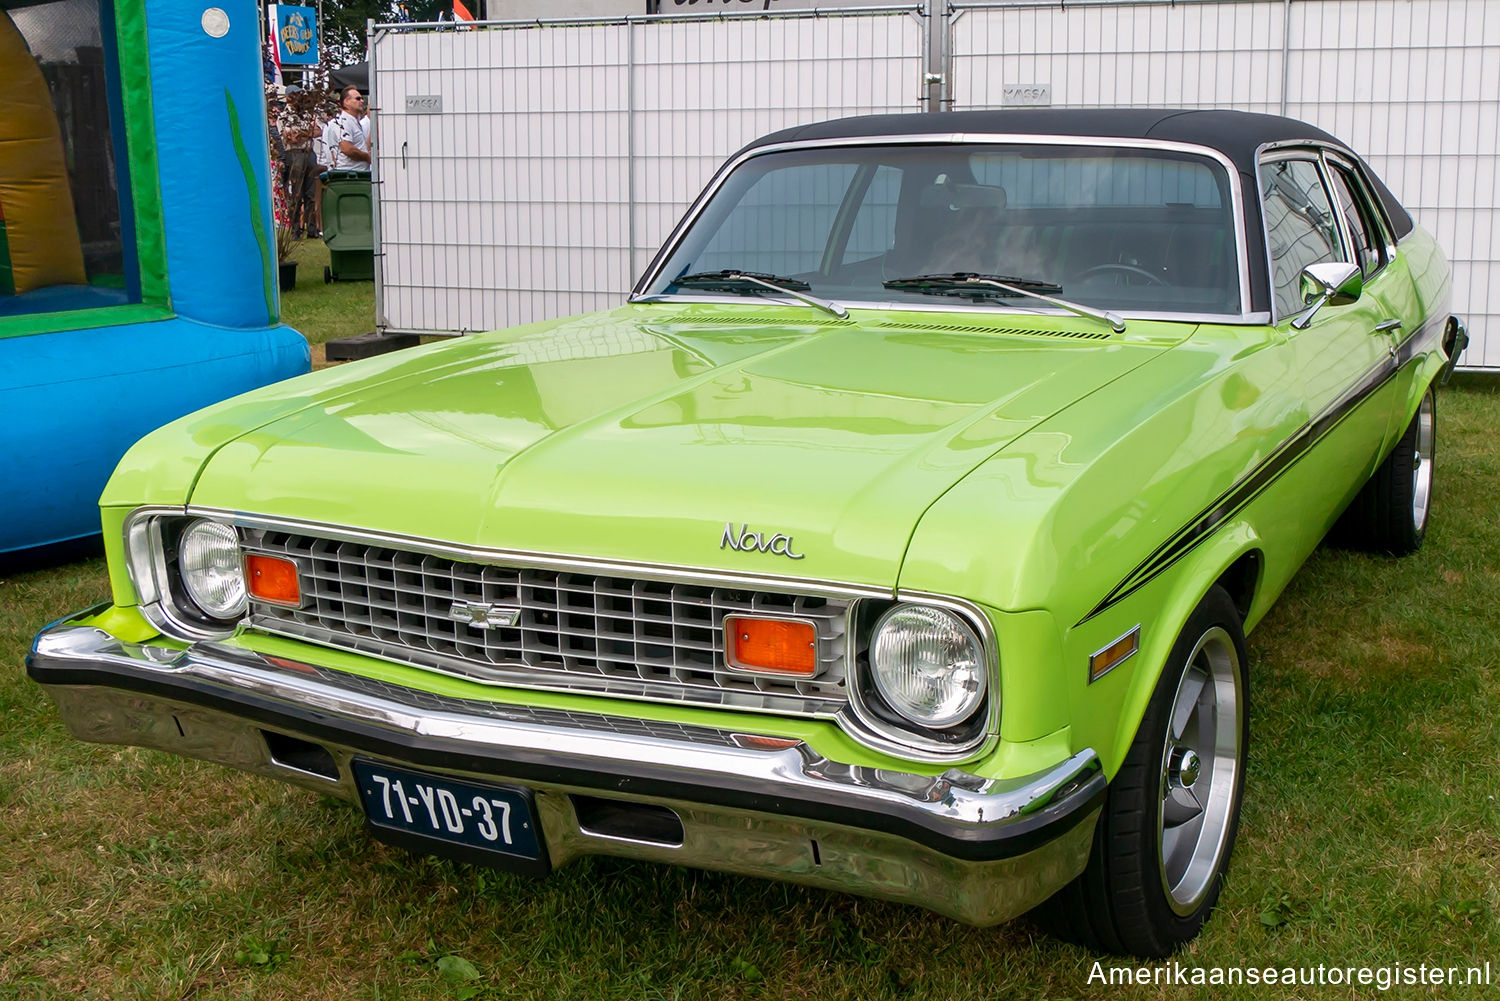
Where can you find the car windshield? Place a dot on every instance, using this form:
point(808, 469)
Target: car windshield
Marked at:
point(1114, 228)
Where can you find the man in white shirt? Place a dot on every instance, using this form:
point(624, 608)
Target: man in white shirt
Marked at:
point(350, 142)
point(329, 153)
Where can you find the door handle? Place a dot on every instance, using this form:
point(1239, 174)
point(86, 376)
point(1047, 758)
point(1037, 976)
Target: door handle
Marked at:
point(1390, 326)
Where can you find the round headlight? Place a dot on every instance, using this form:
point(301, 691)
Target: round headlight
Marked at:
point(928, 665)
point(209, 560)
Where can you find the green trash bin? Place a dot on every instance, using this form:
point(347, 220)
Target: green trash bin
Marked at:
point(348, 227)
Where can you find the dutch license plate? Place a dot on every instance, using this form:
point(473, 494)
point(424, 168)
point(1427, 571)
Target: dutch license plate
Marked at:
point(489, 818)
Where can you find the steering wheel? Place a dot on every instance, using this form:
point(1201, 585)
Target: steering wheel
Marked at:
point(1125, 269)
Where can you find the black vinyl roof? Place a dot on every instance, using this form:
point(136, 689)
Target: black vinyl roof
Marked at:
point(1238, 135)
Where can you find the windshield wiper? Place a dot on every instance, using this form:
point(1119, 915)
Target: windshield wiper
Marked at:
point(967, 283)
point(730, 280)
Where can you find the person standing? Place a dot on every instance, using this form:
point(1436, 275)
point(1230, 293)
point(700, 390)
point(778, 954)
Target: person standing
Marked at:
point(297, 128)
point(353, 142)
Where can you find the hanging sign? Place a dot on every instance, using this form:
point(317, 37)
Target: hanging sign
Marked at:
point(296, 34)
point(1026, 95)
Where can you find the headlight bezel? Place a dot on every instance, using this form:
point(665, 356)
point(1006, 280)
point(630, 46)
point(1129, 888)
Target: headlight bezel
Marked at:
point(893, 731)
point(153, 538)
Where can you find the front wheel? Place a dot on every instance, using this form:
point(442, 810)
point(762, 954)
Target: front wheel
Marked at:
point(1168, 825)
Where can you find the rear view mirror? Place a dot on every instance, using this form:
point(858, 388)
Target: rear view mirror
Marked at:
point(1329, 283)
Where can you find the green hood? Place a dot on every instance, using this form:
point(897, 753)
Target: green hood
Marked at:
point(639, 434)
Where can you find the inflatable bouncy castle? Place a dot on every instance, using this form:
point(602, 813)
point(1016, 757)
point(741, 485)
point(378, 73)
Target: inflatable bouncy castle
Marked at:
point(137, 257)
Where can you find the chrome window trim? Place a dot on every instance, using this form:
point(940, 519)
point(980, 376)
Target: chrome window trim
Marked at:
point(1332, 157)
point(998, 313)
point(1275, 153)
point(1320, 148)
point(1352, 160)
point(1236, 194)
point(1346, 238)
point(907, 745)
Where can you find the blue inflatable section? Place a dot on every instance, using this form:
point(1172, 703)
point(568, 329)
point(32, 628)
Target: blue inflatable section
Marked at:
point(120, 383)
point(195, 194)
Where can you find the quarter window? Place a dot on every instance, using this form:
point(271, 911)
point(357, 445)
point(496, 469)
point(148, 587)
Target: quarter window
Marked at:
point(1369, 248)
point(1300, 227)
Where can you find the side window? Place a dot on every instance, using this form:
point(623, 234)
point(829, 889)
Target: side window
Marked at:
point(875, 223)
point(1369, 247)
point(1300, 227)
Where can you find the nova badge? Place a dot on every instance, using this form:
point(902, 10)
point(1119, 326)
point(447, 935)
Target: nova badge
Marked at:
point(483, 615)
point(742, 540)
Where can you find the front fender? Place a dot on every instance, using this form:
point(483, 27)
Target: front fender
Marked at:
point(1105, 519)
point(1108, 712)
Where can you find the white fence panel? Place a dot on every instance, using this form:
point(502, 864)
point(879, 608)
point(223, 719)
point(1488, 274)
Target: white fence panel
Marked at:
point(706, 88)
point(510, 204)
point(564, 153)
point(1413, 85)
point(1183, 55)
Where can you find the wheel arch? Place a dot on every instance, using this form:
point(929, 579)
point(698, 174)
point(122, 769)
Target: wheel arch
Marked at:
point(1233, 559)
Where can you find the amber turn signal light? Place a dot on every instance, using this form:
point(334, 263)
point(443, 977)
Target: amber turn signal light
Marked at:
point(771, 646)
point(273, 579)
point(1114, 655)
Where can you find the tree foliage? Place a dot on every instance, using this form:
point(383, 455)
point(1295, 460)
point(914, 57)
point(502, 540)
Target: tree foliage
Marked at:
point(344, 23)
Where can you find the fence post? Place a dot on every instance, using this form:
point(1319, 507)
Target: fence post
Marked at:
point(372, 42)
point(931, 61)
point(1286, 50)
point(630, 206)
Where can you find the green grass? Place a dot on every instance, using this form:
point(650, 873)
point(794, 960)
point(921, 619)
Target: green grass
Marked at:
point(322, 311)
point(1371, 835)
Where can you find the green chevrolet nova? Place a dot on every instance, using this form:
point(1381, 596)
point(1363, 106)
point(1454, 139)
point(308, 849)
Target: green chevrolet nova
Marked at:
point(899, 535)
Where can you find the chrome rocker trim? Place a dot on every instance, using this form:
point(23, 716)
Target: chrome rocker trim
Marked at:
point(978, 850)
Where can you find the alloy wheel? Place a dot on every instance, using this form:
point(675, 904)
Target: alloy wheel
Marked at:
point(1421, 467)
point(1200, 763)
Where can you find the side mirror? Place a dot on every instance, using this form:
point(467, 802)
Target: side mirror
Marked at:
point(1329, 283)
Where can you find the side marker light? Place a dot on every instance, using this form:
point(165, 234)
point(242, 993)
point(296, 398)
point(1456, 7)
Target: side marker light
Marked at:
point(1114, 655)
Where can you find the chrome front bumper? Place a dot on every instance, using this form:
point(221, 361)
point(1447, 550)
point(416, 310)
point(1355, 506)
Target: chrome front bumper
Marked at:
point(978, 850)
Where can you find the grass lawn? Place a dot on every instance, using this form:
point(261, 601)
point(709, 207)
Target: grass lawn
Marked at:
point(1371, 831)
point(321, 311)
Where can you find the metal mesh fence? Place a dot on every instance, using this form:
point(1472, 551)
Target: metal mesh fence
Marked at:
point(1413, 85)
point(563, 154)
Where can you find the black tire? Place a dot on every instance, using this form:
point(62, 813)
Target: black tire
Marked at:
point(1391, 512)
point(327, 275)
point(1135, 898)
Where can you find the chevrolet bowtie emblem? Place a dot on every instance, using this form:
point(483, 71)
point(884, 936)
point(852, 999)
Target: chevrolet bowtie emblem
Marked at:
point(482, 615)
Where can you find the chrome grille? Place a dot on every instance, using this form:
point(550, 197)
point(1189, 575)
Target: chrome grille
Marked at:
point(625, 636)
